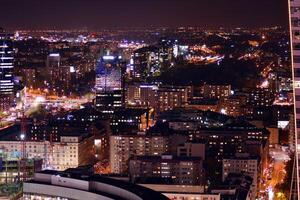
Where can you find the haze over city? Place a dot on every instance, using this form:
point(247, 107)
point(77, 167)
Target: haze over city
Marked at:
point(142, 13)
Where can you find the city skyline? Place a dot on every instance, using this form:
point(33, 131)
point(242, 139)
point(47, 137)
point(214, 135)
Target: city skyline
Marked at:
point(143, 100)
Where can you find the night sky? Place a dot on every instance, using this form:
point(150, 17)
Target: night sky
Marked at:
point(34, 14)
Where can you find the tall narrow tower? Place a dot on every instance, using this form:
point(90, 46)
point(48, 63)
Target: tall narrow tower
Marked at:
point(294, 22)
point(6, 70)
point(109, 84)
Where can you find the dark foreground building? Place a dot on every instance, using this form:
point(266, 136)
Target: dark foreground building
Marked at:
point(80, 183)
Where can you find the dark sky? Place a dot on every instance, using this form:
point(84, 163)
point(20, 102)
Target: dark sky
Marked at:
point(142, 13)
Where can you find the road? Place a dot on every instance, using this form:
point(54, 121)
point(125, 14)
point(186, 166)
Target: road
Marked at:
point(278, 173)
point(274, 174)
point(32, 103)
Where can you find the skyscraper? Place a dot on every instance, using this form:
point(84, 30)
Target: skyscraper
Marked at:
point(294, 19)
point(52, 68)
point(6, 70)
point(109, 83)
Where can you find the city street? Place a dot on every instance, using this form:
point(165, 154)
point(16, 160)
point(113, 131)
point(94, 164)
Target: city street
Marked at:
point(274, 174)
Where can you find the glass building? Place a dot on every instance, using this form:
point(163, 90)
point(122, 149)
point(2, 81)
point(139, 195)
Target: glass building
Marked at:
point(109, 83)
point(294, 19)
point(6, 64)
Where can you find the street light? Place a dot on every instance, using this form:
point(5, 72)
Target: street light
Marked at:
point(22, 136)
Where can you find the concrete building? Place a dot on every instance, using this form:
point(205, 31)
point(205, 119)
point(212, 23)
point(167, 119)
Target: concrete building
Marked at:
point(191, 149)
point(71, 149)
point(235, 186)
point(141, 95)
point(29, 77)
point(170, 97)
point(232, 106)
point(216, 91)
point(178, 170)
point(244, 164)
point(261, 97)
point(123, 147)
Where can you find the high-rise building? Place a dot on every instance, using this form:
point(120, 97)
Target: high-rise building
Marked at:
point(52, 69)
point(109, 83)
point(146, 62)
point(6, 70)
point(294, 19)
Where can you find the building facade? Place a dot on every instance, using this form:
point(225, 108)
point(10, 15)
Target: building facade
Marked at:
point(294, 19)
point(109, 84)
point(123, 147)
point(179, 170)
point(6, 71)
point(70, 151)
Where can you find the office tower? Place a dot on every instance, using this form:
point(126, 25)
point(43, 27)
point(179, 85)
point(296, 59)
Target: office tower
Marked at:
point(53, 60)
point(109, 83)
point(6, 70)
point(52, 69)
point(294, 19)
point(146, 62)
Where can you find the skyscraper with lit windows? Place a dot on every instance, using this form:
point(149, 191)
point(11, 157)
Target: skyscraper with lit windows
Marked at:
point(6, 70)
point(294, 19)
point(109, 83)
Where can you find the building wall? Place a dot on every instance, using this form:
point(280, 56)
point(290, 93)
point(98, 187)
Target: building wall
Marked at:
point(216, 91)
point(243, 165)
point(59, 155)
point(123, 147)
point(183, 172)
point(33, 189)
point(294, 19)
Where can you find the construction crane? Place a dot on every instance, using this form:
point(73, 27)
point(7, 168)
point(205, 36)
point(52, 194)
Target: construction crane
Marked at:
point(23, 159)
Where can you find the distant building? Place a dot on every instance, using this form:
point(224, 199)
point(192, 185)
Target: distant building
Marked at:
point(123, 147)
point(203, 104)
point(141, 95)
point(29, 77)
point(191, 149)
point(233, 106)
point(261, 97)
point(244, 164)
point(145, 62)
point(235, 186)
point(180, 170)
point(70, 150)
point(170, 97)
point(52, 69)
point(109, 84)
point(6, 71)
point(216, 91)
